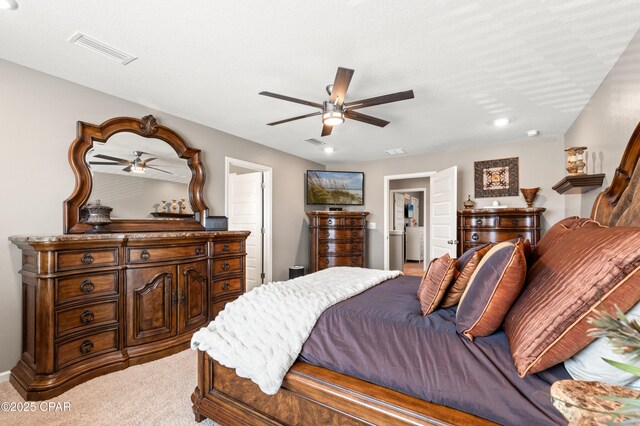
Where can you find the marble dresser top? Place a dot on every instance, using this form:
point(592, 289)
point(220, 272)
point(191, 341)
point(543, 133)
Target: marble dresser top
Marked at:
point(118, 236)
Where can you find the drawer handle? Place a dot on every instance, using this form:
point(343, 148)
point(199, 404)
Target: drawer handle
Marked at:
point(199, 250)
point(86, 286)
point(330, 221)
point(145, 255)
point(353, 221)
point(183, 297)
point(475, 237)
point(326, 247)
point(86, 317)
point(520, 236)
point(226, 266)
point(226, 286)
point(86, 347)
point(354, 260)
point(479, 222)
point(515, 222)
point(353, 246)
point(225, 247)
point(174, 299)
point(326, 261)
point(328, 234)
point(87, 259)
point(355, 233)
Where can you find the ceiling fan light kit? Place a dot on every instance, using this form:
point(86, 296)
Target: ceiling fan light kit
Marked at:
point(335, 110)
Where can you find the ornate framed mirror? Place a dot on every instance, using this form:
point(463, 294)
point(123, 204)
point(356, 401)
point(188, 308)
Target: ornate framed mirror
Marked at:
point(144, 171)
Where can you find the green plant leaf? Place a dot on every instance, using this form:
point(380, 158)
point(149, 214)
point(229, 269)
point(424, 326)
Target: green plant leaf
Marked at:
point(624, 367)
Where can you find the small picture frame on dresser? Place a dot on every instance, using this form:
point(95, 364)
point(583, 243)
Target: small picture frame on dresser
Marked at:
point(496, 178)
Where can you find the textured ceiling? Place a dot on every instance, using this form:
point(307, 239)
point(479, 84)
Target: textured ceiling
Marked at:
point(468, 62)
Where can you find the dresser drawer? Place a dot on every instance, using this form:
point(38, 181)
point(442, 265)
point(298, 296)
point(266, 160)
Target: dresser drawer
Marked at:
point(86, 286)
point(480, 222)
point(329, 261)
point(85, 347)
point(86, 317)
point(223, 287)
point(227, 247)
point(78, 259)
point(228, 265)
point(218, 306)
point(330, 221)
point(517, 222)
point(341, 234)
point(343, 248)
point(495, 236)
point(161, 254)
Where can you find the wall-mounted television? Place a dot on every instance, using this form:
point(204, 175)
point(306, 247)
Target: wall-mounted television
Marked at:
point(335, 188)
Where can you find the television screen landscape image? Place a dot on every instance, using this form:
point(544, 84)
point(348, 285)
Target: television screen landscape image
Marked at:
point(335, 188)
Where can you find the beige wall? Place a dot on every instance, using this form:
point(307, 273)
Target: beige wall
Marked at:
point(541, 164)
point(606, 123)
point(38, 115)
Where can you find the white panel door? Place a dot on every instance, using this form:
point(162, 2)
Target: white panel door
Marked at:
point(443, 206)
point(245, 213)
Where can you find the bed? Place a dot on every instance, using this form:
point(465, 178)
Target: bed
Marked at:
point(312, 394)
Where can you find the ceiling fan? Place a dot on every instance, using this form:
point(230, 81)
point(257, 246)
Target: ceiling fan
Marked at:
point(335, 110)
point(137, 165)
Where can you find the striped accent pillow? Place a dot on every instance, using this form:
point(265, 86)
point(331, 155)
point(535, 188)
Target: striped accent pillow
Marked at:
point(590, 268)
point(465, 265)
point(435, 282)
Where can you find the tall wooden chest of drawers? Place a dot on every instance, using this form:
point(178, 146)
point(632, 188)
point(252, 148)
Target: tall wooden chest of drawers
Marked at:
point(98, 303)
point(480, 226)
point(337, 238)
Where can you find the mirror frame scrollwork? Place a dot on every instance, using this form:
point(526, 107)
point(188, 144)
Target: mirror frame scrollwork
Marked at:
point(146, 127)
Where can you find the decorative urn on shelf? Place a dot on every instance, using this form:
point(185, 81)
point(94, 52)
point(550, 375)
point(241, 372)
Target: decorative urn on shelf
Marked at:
point(468, 204)
point(97, 215)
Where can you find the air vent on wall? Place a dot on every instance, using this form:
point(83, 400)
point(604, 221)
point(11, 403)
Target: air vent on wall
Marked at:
point(97, 46)
point(315, 141)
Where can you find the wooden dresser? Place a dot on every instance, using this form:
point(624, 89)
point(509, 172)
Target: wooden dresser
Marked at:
point(98, 303)
point(480, 226)
point(336, 238)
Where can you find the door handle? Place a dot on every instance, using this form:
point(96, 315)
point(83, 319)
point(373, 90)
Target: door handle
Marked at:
point(452, 242)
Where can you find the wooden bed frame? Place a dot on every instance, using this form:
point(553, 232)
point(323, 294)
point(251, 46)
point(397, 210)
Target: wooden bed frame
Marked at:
point(315, 395)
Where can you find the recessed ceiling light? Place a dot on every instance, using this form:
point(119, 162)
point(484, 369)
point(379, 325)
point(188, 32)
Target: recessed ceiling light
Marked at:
point(328, 150)
point(395, 151)
point(499, 122)
point(8, 4)
point(532, 133)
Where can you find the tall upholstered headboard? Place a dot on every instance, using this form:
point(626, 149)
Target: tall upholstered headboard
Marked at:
point(619, 204)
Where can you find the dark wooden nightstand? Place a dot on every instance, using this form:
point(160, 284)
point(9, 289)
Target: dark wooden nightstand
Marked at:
point(481, 226)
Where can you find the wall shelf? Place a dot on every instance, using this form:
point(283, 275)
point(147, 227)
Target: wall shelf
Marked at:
point(579, 183)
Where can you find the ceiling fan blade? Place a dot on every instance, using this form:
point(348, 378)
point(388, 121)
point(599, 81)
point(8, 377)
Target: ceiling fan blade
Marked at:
point(379, 100)
point(160, 170)
point(294, 118)
point(148, 160)
point(107, 157)
point(326, 130)
point(127, 169)
point(104, 163)
point(290, 99)
point(365, 118)
point(340, 85)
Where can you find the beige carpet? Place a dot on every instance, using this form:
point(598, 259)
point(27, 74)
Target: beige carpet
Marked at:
point(155, 393)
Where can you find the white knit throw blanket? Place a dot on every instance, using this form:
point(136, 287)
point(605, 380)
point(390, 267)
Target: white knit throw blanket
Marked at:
point(262, 332)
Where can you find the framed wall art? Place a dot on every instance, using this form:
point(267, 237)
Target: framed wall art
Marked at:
point(496, 178)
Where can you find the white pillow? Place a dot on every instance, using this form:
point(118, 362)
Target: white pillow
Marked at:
point(588, 364)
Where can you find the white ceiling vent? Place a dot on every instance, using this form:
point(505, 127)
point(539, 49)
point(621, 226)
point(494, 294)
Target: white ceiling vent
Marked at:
point(315, 141)
point(97, 46)
point(396, 151)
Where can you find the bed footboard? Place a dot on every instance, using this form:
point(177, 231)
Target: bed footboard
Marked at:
point(312, 395)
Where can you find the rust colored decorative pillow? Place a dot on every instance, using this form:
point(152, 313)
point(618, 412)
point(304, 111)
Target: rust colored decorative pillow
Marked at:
point(435, 283)
point(556, 232)
point(494, 286)
point(465, 265)
point(593, 267)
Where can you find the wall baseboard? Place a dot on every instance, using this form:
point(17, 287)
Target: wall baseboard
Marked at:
point(4, 376)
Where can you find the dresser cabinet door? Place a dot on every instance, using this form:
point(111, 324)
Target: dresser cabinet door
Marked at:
point(192, 295)
point(152, 300)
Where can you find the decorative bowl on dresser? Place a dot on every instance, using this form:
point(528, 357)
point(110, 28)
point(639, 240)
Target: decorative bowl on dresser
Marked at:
point(97, 303)
point(481, 226)
point(336, 238)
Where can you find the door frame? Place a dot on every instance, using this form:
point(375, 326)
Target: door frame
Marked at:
point(267, 173)
point(386, 190)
